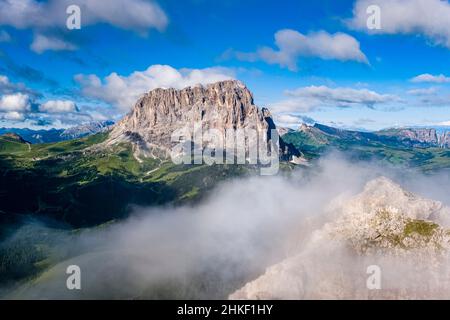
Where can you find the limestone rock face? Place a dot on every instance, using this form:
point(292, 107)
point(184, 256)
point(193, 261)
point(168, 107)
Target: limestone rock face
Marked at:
point(222, 105)
point(400, 233)
point(421, 135)
point(424, 137)
point(445, 140)
point(86, 129)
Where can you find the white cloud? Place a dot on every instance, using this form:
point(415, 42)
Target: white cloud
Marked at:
point(4, 80)
point(292, 120)
point(123, 91)
point(430, 18)
point(19, 108)
point(45, 16)
point(7, 87)
point(295, 105)
point(58, 106)
point(287, 119)
point(12, 116)
point(444, 123)
point(292, 45)
point(15, 102)
point(137, 15)
point(43, 43)
point(342, 96)
point(426, 77)
point(423, 91)
point(311, 98)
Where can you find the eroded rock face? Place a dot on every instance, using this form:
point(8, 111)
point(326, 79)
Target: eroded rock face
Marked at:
point(421, 135)
point(425, 137)
point(222, 105)
point(402, 234)
point(445, 140)
point(86, 129)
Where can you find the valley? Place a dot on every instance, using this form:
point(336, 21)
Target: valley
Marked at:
point(55, 196)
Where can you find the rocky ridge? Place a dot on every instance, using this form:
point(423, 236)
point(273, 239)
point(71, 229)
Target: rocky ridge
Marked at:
point(403, 234)
point(408, 137)
point(14, 137)
point(420, 137)
point(86, 129)
point(222, 105)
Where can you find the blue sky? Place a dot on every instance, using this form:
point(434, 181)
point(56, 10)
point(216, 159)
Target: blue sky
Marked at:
point(304, 60)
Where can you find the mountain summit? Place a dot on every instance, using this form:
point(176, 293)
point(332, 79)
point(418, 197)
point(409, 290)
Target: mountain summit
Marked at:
point(384, 226)
point(221, 105)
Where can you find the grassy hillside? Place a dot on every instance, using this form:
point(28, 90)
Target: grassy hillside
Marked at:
point(315, 142)
point(83, 186)
point(70, 185)
point(79, 186)
point(69, 182)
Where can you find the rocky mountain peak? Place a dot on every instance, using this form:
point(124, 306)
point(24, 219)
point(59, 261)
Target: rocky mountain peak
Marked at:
point(221, 105)
point(384, 226)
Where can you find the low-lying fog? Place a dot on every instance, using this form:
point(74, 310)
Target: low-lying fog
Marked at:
point(212, 249)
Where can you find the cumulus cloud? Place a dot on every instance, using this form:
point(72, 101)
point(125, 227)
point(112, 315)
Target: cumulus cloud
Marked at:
point(427, 17)
point(12, 115)
point(310, 98)
point(342, 95)
point(444, 123)
point(426, 77)
point(20, 107)
point(423, 91)
point(288, 119)
point(7, 87)
point(46, 16)
point(432, 96)
point(137, 15)
point(209, 250)
point(14, 106)
point(123, 91)
point(43, 43)
point(291, 45)
point(15, 102)
point(58, 106)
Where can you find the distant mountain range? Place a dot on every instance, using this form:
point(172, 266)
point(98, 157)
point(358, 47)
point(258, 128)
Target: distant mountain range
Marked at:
point(413, 147)
point(56, 135)
point(438, 137)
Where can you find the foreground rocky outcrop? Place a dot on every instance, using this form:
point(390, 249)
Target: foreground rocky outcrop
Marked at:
point(222, 105)
point(402, 234)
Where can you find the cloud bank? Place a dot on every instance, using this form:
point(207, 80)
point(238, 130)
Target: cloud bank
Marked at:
point(292, 45)
point(426, 77)
point(429, 18)
point(312, 98)
point(123, 91)
point(21, 107)
point(44, 17)
point(210, 250)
